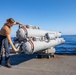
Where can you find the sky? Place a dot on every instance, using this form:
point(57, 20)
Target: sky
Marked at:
point(55, 15)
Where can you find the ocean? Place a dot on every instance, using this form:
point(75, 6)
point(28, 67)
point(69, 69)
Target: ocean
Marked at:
point(69, 47)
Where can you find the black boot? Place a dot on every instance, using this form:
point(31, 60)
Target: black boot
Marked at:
point(0, 60)
point(7, 64)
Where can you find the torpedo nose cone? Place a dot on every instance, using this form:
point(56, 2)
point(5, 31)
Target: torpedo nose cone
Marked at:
point(27, 48)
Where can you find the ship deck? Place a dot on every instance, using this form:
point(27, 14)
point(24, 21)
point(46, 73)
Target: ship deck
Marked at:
point(23, 64)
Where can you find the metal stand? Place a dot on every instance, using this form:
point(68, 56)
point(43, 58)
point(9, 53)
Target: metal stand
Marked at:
point(49, 53)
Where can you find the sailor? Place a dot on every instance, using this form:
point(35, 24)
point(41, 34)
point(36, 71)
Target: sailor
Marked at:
point(5, 38)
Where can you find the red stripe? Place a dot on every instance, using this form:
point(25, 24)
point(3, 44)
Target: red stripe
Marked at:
point(24, 29)
point(31, 44)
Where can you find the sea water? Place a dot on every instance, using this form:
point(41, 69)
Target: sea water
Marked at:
point(69, 47)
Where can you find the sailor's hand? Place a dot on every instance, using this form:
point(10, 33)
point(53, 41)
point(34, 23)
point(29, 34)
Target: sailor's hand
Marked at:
point(20, 23)
point(16, 50)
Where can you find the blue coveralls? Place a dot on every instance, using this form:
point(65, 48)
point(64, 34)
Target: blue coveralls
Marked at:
point(4, 43)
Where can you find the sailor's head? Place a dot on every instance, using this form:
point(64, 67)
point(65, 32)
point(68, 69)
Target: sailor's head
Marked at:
point(10, 22)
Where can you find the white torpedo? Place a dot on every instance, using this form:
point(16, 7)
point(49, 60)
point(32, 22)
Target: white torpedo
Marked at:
point(32, 39)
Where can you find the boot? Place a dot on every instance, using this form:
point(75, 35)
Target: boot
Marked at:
point(7, 64)
point(0, 60)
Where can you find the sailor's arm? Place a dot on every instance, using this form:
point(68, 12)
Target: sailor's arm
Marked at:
point(18, 23)
point(10, 41)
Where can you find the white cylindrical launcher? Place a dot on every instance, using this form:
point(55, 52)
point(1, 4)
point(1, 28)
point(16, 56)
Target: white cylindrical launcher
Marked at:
point(25, 32)
point(35, 46)
point(29, 43)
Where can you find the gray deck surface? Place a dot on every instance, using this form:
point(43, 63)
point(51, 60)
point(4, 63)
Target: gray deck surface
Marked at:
point(23, 64)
